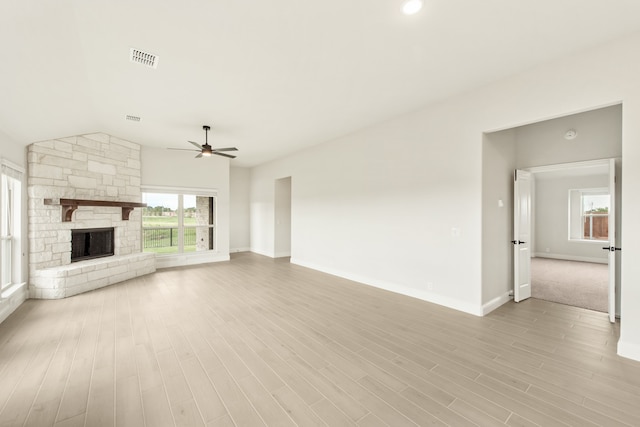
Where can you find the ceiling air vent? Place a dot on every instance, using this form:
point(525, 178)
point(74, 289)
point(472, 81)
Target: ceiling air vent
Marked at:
point(144, 58)
point(133, 118)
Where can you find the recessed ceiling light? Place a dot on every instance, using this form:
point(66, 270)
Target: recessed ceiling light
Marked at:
point(410, 7)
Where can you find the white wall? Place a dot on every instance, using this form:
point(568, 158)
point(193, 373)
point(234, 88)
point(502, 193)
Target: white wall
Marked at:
point(15, 153)
point(498, 164)
point(282, 216)
point(262, 214)
point(239, 202)
point(166, 168)
point(552, 225)
point(11, 150)
point(599, 137)
point(399, 205)
point(380, 206)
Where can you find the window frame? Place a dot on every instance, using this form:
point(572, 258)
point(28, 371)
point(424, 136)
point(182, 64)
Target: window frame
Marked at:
point(577, 214)
point(11, 233)
point(212, 220)
point(181, 192)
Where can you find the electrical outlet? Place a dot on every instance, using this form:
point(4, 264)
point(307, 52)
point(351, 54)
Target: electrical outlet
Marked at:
point(429, 286)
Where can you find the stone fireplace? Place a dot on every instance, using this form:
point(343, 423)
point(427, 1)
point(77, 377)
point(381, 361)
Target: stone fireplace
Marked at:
point(95, 167)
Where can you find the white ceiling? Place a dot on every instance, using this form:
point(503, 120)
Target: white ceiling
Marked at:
point(270, 77)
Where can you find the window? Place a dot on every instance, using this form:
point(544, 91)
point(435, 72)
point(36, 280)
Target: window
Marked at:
point(6, 235)
point(178, 222)
point(10, 228)
point(589, 214)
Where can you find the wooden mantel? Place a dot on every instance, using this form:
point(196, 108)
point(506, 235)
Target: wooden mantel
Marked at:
point(70, 205)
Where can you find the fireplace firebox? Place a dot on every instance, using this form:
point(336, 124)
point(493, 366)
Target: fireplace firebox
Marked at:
point(91, 243)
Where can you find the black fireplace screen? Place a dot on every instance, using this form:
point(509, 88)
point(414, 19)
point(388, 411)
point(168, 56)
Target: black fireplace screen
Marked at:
point(91, 243)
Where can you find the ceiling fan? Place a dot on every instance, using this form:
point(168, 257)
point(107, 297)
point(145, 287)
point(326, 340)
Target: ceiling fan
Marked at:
point(206, 150)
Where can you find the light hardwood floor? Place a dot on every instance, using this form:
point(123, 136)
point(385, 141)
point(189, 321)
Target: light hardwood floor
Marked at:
point(257, 341)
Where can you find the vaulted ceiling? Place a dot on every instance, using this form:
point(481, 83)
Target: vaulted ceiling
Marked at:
point(270, 77)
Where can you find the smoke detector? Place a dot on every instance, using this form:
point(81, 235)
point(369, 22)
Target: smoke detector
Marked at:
point(145, 58)
point(570, 134)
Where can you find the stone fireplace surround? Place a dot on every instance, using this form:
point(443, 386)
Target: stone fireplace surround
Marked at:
point(93, 167)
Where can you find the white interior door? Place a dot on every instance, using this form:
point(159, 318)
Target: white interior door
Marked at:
point(521, 235)
point(612, 240)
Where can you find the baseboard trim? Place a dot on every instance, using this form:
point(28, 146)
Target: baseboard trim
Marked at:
point(444, 301)
point(495, 303)
point(282, 254)
point(243, 249)
point(629, 350)
point(571, 257)
point(271, 254)
point(261, 252)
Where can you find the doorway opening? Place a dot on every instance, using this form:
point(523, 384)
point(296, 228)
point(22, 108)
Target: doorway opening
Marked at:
point(573, 226)
point(595, 134)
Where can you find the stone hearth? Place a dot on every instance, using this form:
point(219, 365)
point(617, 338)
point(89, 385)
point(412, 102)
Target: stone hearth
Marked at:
point(83, 276)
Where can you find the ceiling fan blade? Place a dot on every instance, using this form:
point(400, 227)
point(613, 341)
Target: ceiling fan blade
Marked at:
point(198, 156)
point(225, 149)
point(196, 144)
point(182, 149)
point(225, 155)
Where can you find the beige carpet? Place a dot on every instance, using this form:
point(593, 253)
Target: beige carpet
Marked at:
point(580, 284)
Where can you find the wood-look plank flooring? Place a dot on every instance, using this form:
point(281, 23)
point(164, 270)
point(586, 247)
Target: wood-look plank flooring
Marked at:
point(257, 341)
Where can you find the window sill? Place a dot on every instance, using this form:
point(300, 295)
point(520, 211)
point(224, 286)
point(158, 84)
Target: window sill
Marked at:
point(190, 258)
point(192, 254)
point(12, 289)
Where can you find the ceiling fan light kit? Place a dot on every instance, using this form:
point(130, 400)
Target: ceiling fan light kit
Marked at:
point(206, 150)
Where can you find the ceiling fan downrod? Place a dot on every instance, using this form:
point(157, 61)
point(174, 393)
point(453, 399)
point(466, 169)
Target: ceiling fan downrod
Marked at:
point(206, 134)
